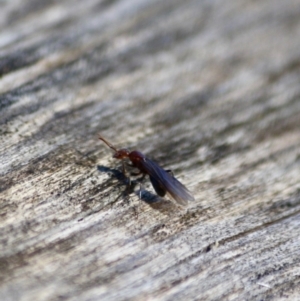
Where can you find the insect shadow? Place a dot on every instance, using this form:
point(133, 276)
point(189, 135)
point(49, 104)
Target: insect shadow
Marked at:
point(135, 186)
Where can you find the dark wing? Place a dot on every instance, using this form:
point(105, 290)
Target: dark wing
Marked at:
point(160, 190)
point(163, 182)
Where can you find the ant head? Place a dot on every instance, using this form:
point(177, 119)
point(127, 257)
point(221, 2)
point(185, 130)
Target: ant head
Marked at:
point(121, 153)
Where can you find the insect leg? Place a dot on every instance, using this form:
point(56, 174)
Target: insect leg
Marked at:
point(140, 193)
point(170, 171)
point(125, 172)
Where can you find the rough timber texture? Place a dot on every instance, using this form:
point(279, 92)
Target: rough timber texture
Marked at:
point(209, 89)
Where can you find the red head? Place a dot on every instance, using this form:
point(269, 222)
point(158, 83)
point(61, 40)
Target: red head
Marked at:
point(121, 153)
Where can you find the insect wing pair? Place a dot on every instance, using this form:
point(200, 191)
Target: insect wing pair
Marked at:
point(163, 182)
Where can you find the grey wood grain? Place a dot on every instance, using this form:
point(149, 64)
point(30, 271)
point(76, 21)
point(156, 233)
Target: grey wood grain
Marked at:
point(209, 89)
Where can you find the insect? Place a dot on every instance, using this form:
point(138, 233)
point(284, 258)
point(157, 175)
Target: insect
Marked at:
point(162, 181)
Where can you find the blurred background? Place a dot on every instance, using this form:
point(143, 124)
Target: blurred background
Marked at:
point(209, 89)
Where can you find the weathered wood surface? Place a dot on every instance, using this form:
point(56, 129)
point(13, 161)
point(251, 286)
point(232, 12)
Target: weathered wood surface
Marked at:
point(209, 89)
